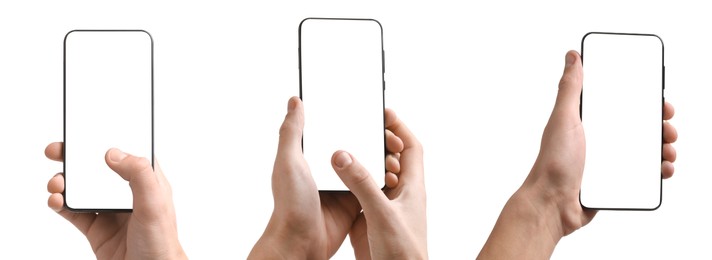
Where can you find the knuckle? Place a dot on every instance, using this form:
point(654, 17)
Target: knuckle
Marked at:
point(357, 176)
point(287, 128)
point(139, 164)
point(567, 78)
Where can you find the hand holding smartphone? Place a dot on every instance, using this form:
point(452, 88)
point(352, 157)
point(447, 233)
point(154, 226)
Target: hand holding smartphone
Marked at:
point(621, 112)
point(341, 69)
point(108, 102)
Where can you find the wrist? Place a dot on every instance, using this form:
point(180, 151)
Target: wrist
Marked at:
point(540, 208)
point(527, 228)
point(180, 254)
point(275, 243)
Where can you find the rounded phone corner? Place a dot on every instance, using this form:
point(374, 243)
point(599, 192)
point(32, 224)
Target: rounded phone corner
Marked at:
point(304, 20)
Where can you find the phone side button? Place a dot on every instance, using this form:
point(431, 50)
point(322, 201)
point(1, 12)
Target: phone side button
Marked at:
point(663, 77)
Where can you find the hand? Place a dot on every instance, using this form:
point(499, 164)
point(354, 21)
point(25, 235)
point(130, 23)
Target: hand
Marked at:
point(306, 223)
point(149, 232)
point(393, 222)
point(546, 207)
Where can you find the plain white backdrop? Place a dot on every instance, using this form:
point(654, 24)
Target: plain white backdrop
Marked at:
point(475, 82)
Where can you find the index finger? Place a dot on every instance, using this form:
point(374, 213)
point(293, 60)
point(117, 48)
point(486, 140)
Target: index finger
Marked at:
point(395, 125)
point(54, 151)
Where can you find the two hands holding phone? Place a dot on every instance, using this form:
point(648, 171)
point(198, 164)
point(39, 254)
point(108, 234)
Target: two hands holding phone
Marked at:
point(388, 223)
point(382, 224)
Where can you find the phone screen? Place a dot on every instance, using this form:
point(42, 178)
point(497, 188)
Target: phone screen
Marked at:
point(621, 112)
point(108, 103)
point(341, 85)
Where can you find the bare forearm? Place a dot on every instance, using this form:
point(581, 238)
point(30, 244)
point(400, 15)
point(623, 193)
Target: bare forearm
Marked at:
point(527, 228)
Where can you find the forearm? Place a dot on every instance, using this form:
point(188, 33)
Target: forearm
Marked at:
point(272, 248)
point(274, 245)
point(528, 228)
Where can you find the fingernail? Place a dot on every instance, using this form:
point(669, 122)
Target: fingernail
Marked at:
point(116, 155)
point(570, 58)
point(342, 160)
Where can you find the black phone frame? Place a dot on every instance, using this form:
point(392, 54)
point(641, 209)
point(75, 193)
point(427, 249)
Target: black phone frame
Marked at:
point(64, 113)
point(662, 105)
point(383, 72)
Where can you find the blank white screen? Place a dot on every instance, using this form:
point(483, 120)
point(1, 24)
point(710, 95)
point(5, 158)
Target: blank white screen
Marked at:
point(622, 119)
point(108, 103)
point(342, 90)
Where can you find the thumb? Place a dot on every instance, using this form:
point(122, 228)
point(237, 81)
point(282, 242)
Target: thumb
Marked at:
point(137, 171)
point(290, 133)
point(569, 96)
point(359, 181)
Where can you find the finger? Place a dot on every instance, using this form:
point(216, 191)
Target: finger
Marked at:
point(668, 111)
point(391, 180)
point(56, 184)
point(569, 96)
point(392, 164)
point(56, 202)
point(389, 117)
point(669, 153)
point(667, 169)
point(138, 172)
point(393, 143)
point(159, 174)
point(397, 127)
point(411, 159)
point(54, 151)
point(81, 221)
point(669, 133)
point(359, 181)
point(290, 133)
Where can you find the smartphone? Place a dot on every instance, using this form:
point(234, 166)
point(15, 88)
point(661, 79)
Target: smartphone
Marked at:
point(341, 84)
point(622, 115)
point(108, 103)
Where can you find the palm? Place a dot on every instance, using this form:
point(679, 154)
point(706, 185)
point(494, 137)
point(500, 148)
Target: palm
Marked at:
point(321, 217)
point(107, 234)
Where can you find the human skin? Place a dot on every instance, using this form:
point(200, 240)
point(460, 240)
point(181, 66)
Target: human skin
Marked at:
point(149, 232)
point(382, 224)
point(546, 207)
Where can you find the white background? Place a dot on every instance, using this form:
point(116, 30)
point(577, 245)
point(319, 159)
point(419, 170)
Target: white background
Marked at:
point(475, 82)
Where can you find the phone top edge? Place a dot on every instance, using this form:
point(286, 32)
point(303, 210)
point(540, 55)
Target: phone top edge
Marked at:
point(621, 33)
point(340, 18)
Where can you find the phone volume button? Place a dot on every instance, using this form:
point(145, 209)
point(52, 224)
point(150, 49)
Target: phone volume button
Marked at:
point(383, 61)
point(663, 77)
